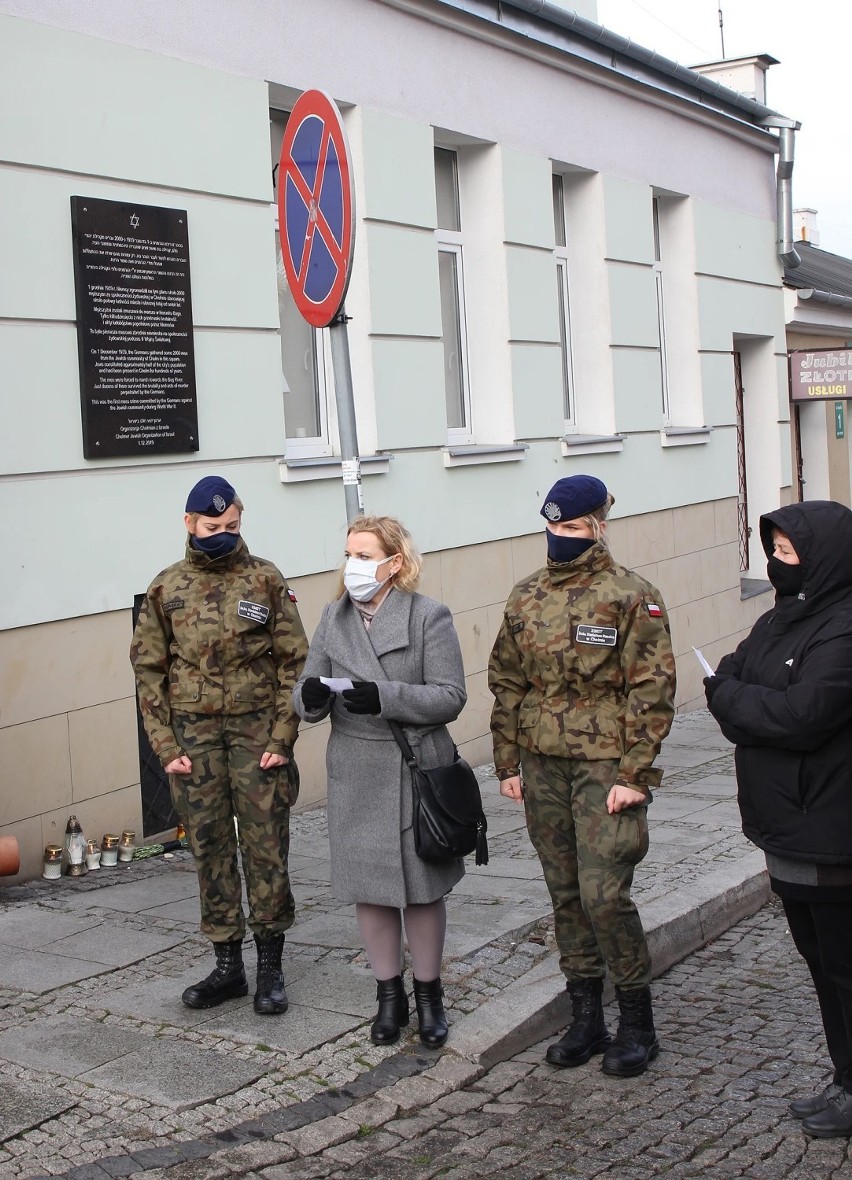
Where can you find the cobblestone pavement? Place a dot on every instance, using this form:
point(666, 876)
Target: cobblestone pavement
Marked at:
point(93, 1069)
point(740, 1035)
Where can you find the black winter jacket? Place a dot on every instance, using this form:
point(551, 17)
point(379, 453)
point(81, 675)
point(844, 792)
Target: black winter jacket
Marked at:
point(785, 697)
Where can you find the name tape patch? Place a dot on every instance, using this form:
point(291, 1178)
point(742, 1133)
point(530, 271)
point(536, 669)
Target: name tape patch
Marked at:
point(597, 636)
point(172, 605)
point(253, 611)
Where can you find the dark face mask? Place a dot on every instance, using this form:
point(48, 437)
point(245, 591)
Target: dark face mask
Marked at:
point(787, 579)
point(217, 544)
point(562, 549)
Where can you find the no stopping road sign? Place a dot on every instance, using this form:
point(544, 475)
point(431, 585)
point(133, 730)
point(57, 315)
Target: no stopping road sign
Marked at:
point(316, 206)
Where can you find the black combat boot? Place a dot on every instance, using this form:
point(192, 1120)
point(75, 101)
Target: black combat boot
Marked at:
point(270, 998)
point(393, 1011)
point(428, 999)
point(587, 1033)
point(636, 1041)
point(227, 980)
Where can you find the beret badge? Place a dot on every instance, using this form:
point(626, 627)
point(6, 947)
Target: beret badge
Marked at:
point(552, 511)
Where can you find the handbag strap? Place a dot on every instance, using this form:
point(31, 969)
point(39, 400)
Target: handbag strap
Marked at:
point(402, 742)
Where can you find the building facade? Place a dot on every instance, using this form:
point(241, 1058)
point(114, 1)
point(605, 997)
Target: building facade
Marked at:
point(818, 300)
point(565, 254)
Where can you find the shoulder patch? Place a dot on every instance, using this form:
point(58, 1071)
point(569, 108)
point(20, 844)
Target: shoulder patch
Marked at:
point(172, 605)
point(291, 595)
point(653, 610)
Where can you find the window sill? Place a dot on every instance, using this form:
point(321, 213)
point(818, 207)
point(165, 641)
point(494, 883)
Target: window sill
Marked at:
point(751, 587)
point(469, 456)
point(591, 444)
point(685, 436)
point(328, 467)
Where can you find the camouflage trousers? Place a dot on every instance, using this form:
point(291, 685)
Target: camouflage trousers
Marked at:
point(227, 783)
point(588, 857)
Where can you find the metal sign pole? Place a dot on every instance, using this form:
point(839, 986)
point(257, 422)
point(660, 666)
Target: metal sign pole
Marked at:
point(345, 399)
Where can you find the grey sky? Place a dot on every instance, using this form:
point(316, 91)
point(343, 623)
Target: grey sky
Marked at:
point(813, 43)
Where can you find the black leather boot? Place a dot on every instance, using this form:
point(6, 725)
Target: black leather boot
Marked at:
point(835, 1122)
point(429, 1001)
point(803, 1108)
point(227, 980)
point(393, 1011)
point(636, 1041)
point(270, 998)
point(587, 1033)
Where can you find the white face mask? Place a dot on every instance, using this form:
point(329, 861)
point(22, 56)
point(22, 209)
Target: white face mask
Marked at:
point(359, 578)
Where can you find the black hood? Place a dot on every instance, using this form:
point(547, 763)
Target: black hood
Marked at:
point(821, 534)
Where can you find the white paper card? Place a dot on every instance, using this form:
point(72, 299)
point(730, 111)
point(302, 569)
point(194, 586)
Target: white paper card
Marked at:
point(707, 669)
point(340, 683)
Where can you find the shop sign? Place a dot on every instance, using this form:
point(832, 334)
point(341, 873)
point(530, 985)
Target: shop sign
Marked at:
point(821, 375)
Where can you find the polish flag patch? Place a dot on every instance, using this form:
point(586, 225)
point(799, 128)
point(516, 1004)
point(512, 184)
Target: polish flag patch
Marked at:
point(653, 610)
point(291, 595)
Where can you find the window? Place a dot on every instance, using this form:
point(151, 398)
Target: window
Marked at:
point(560, 254)
point(451, 280)
point(661, 313)
point(305, 363)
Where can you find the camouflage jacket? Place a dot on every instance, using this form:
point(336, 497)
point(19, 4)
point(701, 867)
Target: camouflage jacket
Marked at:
point(217, 635)
point(583, 668)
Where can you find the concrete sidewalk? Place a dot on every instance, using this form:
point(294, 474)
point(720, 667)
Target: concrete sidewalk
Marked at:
point(105, 1073)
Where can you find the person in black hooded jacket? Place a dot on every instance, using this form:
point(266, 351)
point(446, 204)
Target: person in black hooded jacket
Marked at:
point(784, 697)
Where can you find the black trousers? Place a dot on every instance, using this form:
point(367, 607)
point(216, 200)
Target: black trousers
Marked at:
point(822, 932)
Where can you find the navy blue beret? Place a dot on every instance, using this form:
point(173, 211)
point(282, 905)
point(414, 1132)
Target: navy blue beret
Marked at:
point(211, 496)
point(576, 495)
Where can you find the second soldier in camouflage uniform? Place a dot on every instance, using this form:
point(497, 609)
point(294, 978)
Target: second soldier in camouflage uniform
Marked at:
point(216, 651)
point(583, 675)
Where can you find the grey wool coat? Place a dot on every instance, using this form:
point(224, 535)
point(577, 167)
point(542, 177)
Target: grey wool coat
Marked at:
point(412, 653)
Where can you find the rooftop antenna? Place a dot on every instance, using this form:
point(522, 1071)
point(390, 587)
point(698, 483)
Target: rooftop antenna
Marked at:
point(722, 30)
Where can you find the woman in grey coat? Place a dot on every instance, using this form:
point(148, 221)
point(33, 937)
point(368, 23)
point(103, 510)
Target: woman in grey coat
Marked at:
point(401, 652)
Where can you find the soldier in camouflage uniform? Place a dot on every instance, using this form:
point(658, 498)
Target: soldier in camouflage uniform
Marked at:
point(216, 651)
point(583, 678)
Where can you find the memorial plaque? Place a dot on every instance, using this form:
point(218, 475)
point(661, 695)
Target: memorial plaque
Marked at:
point(134, 329)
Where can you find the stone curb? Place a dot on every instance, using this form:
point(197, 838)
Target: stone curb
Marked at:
point(536, 1005)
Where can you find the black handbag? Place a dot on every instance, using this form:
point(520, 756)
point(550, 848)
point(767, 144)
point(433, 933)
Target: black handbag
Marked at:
point(448, 818)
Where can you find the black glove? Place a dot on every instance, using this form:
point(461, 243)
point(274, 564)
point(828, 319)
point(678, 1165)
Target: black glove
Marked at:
point(362, 697)
point(315, 694)
point(711, 685)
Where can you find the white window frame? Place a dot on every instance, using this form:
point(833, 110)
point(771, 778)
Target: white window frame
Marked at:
point(452, 242)
point(310, 445)
point(560, 255)
point(661, 314)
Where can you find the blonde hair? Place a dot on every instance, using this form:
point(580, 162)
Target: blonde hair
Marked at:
point(235, 503)
point(595, 519)
point(394, 538)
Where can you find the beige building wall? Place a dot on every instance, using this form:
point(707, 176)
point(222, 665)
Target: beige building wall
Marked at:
point(68, 739)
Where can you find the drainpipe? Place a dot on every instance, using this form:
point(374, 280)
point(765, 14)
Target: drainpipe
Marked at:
point(787, 129)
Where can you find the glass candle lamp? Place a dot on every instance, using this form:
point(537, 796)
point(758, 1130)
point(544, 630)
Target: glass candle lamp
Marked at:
point(74, 849)
point(52, 870)
point(126, 845)
point(109, 850)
